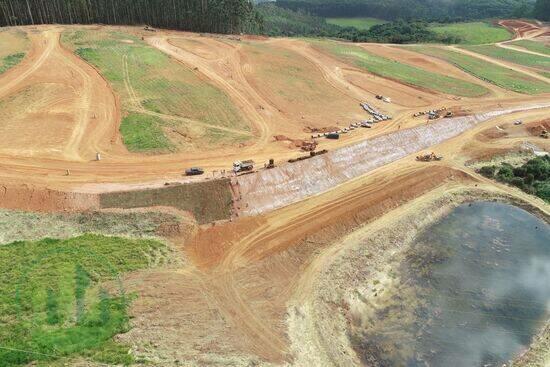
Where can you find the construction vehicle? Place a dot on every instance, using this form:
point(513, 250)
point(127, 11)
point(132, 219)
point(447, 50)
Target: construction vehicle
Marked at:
point(271, 164)
point(449, 115)
point(194, 171)
point(333, 136)
point(544, 134)
point(149, 29)
point(242, 166)
point(518, 122)
point(433, 115)
point(428, 157)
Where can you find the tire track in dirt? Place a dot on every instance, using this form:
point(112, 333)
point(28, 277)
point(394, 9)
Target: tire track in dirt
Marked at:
point(503, 64)
point(15, 77)
point(189, 59)
point(135, 100)
point(515, 48)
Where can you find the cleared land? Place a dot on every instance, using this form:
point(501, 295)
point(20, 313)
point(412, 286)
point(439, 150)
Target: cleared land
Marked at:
point(359, 23)
point(289, 82)
point(473, 33)
point(166, 105)
point(533, 46)
point(517, 57)
point(498, 75)
point(13, 47)
point(400, 72)
point(249, 290)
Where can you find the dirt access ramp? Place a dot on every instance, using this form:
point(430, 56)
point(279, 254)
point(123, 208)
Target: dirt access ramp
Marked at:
point(275, 188)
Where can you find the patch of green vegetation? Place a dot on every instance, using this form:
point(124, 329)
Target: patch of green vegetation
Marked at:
point(402, 72)
point(62, 298)
point(146, 79)
point(10, 61)
point(285, 22)
point(473, 33)
point(495, 74)
point(534, 46)
point(143, 133)
point(532, 177)
point(516, 57)
point(359, 23)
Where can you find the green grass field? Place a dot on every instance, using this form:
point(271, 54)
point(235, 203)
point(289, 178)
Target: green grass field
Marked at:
point(401, 72)
point(534, 46)
point(359, 23)
point(517, 57)
point(500, 76)
point(473, 33)
point(158, 94)
point(63, 298)
point(10, 61)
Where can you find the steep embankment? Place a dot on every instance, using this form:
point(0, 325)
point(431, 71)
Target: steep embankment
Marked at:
point(275, 188)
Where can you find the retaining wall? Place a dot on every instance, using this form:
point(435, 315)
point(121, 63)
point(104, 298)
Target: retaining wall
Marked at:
point(274, 188)
point(208, 201)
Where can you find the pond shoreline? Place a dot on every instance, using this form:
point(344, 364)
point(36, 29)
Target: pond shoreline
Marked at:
point(325, 322)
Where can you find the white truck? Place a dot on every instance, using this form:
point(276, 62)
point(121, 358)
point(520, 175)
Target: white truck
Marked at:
point(242, 166)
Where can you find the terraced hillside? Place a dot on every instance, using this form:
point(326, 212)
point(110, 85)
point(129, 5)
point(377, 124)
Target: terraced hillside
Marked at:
point(167, 106)
point(496, 74)
point(401, 72)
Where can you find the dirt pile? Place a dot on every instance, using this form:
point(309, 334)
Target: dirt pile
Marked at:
point(538, 128)
point(30, 198)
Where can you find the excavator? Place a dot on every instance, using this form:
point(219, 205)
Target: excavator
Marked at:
point(428, 157)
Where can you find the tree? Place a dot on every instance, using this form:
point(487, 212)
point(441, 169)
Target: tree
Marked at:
point(542, 10)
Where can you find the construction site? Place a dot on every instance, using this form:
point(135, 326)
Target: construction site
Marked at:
point(296, 174)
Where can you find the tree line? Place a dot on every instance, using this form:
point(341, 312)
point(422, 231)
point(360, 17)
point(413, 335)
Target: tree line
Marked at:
point(430, 10)
point(217, 16)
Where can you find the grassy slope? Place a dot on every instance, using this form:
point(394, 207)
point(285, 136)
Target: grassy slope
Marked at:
point(65, 225)
point(14, 45)
point(503, 77)
point(151, 83)
point(534, 46)
point(474, 33)
point(401, 72)
point(517, 57)
point(53, 304)
point(359, 23)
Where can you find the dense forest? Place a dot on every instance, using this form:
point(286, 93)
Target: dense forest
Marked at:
point(542, 10)
point(285, 22)
point(532, 177)
point(219, 16)
point(432, 10)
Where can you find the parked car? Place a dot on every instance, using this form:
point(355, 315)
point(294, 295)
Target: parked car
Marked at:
point(194, 171)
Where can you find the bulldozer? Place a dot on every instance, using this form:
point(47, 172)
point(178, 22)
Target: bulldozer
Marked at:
point(428, 157)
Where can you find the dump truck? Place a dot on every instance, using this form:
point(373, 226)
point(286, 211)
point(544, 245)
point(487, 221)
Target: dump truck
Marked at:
point(242, 166)
point(194, 171)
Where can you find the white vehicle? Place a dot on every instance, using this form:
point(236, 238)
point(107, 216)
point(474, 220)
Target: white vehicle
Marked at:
point(241, 166)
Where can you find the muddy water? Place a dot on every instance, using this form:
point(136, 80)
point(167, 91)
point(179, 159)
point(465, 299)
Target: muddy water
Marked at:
point(475, 288)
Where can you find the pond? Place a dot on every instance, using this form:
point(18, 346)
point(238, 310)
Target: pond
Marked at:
point(474, 289)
